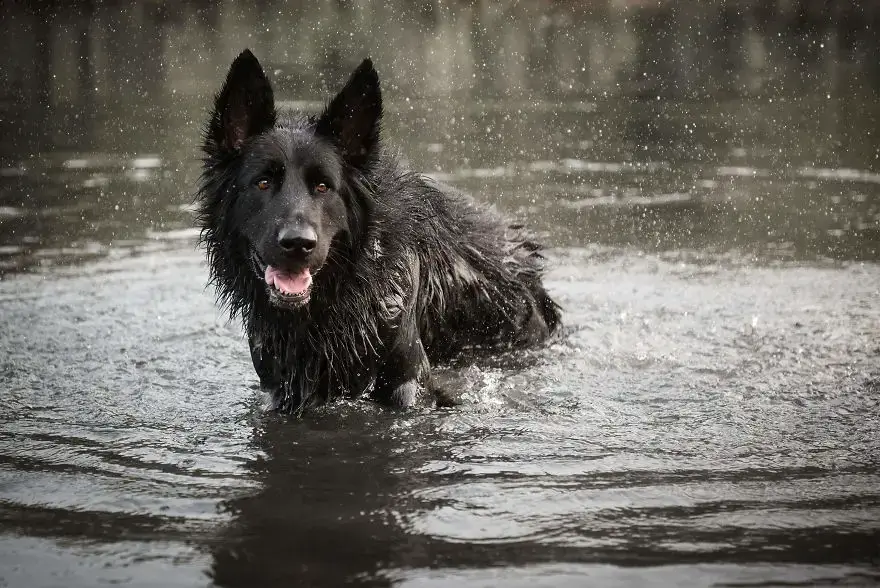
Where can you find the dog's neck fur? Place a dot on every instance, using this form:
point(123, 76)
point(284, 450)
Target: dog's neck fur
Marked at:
point(338, 322)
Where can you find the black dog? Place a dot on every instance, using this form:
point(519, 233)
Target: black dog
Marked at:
point(352, 274)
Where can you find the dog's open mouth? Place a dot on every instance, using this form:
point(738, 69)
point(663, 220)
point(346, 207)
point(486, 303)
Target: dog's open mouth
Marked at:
point(287, 289)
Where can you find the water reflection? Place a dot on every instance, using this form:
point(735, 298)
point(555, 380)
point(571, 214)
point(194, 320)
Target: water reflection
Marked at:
point(149, 49)
point(366, 498)
point(666, 97)
point(325, 513)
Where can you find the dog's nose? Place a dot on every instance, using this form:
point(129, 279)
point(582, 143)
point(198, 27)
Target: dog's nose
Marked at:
point(297, 240)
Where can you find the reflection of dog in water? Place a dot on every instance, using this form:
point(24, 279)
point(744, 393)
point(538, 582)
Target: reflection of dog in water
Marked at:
point(352, 274)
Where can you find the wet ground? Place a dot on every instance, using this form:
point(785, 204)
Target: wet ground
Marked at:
point(709, 416)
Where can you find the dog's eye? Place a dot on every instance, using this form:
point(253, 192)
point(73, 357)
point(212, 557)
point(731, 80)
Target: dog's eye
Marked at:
point(321, 188)
point(263, 184)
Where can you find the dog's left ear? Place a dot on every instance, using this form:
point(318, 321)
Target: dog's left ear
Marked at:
point(352, 118)
point(243, 108)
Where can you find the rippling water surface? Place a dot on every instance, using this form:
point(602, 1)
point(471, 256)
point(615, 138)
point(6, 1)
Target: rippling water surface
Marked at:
point(709, 416)
point(702, 418)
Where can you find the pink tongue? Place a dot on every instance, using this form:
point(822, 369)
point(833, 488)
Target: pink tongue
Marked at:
point(289, 283)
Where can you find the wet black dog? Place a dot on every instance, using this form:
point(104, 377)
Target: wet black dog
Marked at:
point(352, 274)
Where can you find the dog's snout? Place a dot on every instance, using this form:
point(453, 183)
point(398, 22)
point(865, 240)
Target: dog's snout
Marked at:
point(302, 240)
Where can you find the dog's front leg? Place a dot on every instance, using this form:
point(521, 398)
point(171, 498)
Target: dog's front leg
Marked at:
point(265, 364)
point(405, 371)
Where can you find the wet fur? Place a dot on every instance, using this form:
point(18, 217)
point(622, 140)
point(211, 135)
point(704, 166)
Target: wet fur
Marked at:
point(417, 274)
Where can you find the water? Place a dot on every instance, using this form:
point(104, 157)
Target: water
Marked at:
point(709, 415)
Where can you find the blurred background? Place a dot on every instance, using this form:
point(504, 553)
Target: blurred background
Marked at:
point(590, 112)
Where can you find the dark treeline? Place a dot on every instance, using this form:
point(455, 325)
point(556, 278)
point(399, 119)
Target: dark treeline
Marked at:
point(72, 58)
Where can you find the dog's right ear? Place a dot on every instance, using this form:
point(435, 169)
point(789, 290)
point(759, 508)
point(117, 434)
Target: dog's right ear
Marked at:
point(244, 107)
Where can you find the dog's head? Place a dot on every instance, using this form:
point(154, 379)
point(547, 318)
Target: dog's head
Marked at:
point(286, 192)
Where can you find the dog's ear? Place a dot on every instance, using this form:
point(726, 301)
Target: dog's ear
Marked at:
point(243, 108)
point(352, 118)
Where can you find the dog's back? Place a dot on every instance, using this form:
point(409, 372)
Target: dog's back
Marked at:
point(480, 279)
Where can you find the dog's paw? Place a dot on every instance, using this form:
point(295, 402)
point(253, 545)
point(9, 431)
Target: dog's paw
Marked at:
point(406, 395)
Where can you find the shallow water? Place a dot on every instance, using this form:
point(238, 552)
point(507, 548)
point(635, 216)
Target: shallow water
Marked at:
point(702, 420)
point(709, 415)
